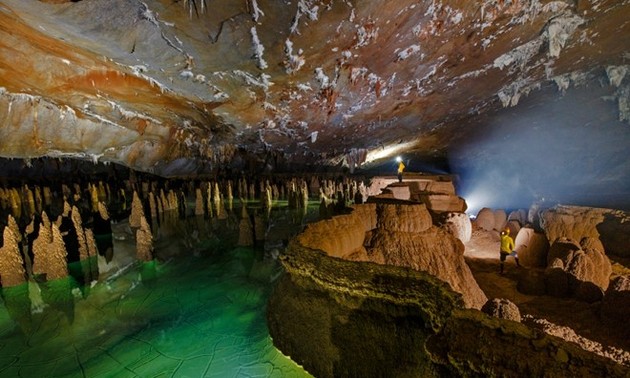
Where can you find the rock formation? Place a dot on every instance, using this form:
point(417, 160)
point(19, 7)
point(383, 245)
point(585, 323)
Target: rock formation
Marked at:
point(502, 308)
point(580, 270)
point(344, 318)
point(144, 241)
point(136, 211)
point(50, 256)
point(532, 247)
point(401, 234)
point(12, 271)
point(612, 227)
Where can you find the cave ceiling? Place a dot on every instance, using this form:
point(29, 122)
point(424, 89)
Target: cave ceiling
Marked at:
point(182, 87)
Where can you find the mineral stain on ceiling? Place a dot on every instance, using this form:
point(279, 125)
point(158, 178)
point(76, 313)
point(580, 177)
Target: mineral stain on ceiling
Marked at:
point(182, 87)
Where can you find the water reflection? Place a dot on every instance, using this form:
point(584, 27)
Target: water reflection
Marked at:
point(196, 310)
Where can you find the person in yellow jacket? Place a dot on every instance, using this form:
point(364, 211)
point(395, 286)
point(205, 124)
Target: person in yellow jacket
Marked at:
point(401, 168)
point(507, 247)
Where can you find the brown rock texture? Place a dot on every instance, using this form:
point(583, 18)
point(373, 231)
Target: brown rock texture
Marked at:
point(343, 318)
point(12, 271)
point(457, 224)
point(502, 308)
point(434, 251)
point(586, 271)
point(49, 250)
point(485, 219)
point(144, 241)
point(137, 211)
point(532, 247)
point(340, 236)
point(612, 227)
point(404, 236)
point(474, 345)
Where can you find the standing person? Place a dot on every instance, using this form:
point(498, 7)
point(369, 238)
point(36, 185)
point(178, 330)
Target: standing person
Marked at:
point(507, 247)
point(401, 168)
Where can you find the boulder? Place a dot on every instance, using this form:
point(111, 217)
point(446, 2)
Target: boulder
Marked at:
point(459, 225)
point(532, 247)
point(514, 227)
point(586, 271)
point(502, 308)
point(519, 215)
point(485, 219)
point(616, 302)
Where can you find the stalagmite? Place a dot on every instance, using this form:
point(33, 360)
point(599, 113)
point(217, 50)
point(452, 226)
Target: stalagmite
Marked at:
point(16, 205)
point(47, 196)
point(12, 272)
point(12, 224)
point(199, 202)
point(144, 241)
point(78, 226)
point(230, 196)
point(29, 200)
point(50, 252)
point(39, 204)
point(93, 197)
point(136, 211)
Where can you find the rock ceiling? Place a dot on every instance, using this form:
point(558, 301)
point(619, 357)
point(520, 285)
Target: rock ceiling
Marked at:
point(178, 87)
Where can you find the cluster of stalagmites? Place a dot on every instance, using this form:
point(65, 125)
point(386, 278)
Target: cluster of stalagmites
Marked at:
point(389, 279)
point(44, 248)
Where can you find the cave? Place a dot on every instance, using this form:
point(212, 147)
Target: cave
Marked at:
point(317, 188)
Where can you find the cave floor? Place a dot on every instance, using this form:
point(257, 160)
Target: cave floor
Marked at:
point(583, 318)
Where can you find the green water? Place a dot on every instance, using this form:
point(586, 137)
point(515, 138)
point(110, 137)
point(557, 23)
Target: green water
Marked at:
point(198, 311)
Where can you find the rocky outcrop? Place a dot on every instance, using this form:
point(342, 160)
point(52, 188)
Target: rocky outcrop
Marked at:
point(403, 235)
point(612, 227)
point(340, 236)
point(488, 219)
point(579, 270)
point(343, 318)
point(532, 247)
point(434, 251)
point(457, 224)
point(617, 301)
point(472, 344)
